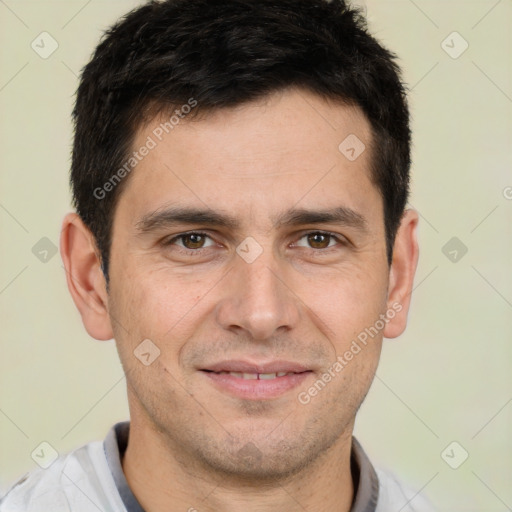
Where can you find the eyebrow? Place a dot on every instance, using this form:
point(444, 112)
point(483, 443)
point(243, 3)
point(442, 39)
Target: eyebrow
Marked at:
point(180, 215)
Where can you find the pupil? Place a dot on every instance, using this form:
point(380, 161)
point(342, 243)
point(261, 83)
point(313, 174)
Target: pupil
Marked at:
point(316, 235)
point(195, 239)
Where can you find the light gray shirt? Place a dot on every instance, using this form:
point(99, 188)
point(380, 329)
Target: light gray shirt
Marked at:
point(91, 479)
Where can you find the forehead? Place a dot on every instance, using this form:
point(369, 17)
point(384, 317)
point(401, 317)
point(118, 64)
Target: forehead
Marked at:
point(255, 159)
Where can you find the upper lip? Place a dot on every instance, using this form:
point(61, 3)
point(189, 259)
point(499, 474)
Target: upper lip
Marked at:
point(250, 367)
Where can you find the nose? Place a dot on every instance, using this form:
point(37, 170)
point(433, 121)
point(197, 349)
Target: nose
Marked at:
point(258, 299)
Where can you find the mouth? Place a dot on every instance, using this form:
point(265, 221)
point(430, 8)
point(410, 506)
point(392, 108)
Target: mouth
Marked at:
point(251, 381)
point(255, 376)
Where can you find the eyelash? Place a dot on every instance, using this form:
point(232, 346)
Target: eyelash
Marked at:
point(341, 241)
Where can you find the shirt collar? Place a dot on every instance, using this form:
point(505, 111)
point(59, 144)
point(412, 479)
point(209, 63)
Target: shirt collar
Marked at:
point(366, 483)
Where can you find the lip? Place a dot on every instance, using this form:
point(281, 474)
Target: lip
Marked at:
point(256, 389)
point(235, 365)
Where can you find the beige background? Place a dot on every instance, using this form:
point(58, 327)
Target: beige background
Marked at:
point(448, 378)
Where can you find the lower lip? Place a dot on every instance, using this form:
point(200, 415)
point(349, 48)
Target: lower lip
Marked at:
point(256, 389)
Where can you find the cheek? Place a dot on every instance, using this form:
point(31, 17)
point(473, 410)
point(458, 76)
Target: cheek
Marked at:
point(345, 303)
point(161, 306)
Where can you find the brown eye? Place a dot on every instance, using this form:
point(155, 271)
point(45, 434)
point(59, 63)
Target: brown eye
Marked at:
point(193, 240)
point(319, 240)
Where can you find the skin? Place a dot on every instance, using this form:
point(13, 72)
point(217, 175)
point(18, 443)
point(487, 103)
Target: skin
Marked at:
point(304, 299)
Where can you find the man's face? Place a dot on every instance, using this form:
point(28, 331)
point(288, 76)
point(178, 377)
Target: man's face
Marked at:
point(260, 297)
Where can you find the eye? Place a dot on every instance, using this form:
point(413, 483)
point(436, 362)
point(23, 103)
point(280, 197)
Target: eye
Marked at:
point(193, 241)
point(321, 240)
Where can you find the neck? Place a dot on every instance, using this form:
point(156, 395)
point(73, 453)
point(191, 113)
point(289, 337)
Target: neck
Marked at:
point(163, 478)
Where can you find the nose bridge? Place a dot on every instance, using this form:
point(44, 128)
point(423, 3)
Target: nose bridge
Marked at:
point(257, 298)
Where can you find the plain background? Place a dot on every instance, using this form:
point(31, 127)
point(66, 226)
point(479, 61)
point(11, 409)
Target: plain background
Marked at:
point(446, 379)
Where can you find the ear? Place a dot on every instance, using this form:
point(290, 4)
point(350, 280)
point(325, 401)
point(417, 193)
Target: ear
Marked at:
point(401, 276)
point(84, 276)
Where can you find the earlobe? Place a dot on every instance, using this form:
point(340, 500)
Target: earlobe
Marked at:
point(84, 276)
point(401, 277)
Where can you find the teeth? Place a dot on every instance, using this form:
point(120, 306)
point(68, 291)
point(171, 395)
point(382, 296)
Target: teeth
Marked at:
point(267, 376)
point(255, 376)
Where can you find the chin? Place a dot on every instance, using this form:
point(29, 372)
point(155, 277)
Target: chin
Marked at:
point(262, 461)
point(251, 466)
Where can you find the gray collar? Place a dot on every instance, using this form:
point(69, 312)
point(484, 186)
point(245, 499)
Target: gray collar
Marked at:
point(366, 483)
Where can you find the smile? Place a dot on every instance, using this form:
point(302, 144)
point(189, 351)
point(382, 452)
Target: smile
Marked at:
point(251, 381)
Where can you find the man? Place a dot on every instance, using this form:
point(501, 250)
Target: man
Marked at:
point(240, 174)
